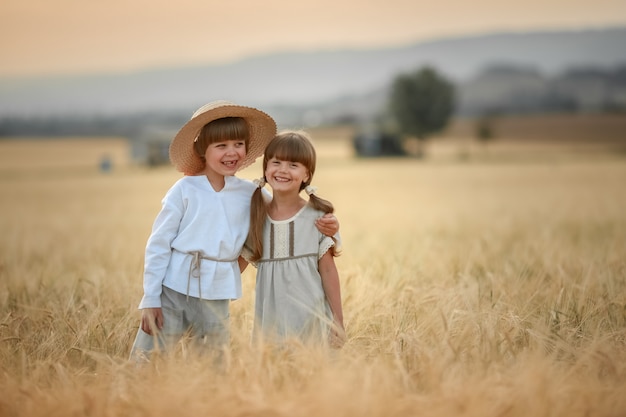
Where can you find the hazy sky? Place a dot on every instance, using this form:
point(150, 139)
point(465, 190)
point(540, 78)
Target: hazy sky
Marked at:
point(40, 37)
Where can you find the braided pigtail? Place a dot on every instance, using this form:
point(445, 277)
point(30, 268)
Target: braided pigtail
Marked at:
point(258, 214)
point(320, 204)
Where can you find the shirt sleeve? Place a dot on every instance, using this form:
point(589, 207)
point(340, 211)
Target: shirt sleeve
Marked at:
point(159, 247)
point(326, 243)
point(266, 195)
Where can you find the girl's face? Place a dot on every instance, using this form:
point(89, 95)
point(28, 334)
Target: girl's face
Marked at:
point(223, 158)
point(285, 176)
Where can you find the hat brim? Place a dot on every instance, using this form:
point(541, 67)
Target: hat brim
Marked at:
point(262, 129)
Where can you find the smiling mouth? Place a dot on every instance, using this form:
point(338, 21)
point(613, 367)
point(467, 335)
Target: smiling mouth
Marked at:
point(230, 164)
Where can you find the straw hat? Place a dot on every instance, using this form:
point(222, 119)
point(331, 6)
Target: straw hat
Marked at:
point(262, 130)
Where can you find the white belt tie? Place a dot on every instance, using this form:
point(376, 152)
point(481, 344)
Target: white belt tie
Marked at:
point(195, 267)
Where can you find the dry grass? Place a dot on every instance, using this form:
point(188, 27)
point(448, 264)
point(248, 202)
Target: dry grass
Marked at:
point(470, 289)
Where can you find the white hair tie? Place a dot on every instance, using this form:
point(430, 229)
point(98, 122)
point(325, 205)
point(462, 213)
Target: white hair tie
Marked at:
point(259, 182)
point(309, 189)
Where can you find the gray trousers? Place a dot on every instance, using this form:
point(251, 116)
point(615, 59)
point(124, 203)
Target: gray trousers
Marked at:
point(204, 322)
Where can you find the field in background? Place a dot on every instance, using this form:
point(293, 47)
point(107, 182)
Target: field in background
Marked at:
point(518, 138)
point(515, 138)
point(488, 284)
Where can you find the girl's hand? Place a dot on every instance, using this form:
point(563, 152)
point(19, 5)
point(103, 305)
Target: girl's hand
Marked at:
point(328, 224)
point(151, 320)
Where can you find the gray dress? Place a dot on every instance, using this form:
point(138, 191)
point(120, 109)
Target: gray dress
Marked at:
point(290, 300)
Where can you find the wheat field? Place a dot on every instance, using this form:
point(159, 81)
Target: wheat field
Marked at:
point(480, 287)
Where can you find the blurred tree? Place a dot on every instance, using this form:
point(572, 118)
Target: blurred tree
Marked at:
point(421, 104)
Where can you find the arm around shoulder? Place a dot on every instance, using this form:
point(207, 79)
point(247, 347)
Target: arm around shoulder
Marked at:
point(328, 224)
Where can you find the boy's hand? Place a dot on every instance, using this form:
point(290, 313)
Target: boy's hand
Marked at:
point(327, 224)
point(337, 337)
point(151, 320)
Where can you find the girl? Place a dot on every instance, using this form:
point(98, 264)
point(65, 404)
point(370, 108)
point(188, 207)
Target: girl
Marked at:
point(297, 287)
point(192, 265)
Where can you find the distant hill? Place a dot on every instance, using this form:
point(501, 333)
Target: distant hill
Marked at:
point(294, 81)
point(506, 89)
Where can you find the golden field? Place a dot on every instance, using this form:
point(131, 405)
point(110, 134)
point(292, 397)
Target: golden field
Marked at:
point(476, 282)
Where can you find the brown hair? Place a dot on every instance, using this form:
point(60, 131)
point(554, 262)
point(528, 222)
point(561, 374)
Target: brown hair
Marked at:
point(220, 130)
point(293, 146)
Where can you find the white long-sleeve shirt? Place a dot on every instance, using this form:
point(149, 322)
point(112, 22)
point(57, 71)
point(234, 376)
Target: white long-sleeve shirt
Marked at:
point(195, 220)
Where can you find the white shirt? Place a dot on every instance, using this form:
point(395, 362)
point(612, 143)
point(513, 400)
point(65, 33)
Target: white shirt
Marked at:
point(196, 218)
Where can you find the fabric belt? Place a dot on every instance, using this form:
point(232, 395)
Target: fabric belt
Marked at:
point(307, 255)
point(195, 267)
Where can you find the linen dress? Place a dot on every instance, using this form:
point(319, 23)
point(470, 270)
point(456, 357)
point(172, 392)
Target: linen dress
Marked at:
point(290, 299)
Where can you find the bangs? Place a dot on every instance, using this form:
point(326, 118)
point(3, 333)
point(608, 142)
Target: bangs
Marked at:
point(287, 149)
point(227, 128)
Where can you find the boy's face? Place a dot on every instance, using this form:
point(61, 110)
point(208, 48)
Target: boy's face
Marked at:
point(224, 158)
